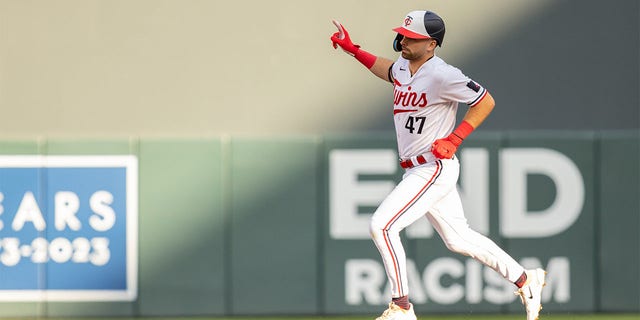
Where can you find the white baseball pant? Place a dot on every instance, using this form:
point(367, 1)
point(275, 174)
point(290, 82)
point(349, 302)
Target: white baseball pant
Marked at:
point(430, 190)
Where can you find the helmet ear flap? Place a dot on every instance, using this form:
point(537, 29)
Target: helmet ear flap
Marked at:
point(397, 47)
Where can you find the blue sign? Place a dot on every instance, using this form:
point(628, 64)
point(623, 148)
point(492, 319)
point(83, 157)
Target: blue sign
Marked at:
point(68, 228)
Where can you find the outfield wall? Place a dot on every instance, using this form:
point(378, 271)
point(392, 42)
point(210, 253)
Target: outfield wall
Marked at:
point(278, 225)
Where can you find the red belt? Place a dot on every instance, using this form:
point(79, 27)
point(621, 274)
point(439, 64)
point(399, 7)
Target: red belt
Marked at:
point(406, 164)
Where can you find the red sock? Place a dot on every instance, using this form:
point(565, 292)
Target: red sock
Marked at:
point(402, 302)
point(522, 280)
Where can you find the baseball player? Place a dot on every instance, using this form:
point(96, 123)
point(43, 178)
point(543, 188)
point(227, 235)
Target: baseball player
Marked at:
point(427, 92)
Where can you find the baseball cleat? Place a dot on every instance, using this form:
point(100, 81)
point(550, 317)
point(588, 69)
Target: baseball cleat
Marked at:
point(396, 313)
point(531, 292)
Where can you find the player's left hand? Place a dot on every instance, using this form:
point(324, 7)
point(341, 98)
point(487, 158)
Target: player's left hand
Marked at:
point(446, 148)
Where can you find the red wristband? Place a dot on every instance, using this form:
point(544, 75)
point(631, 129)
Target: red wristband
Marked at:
point(461, 132)
point(366, 58)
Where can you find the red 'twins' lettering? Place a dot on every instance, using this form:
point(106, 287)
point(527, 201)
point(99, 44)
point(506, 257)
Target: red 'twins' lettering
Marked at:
point(409, 98)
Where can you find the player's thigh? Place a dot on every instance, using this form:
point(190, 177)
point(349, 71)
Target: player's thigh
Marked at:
point(411, 199)
point(447, 216)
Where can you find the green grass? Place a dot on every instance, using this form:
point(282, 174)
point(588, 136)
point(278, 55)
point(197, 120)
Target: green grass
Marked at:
point(426, 317)
point(456, 317)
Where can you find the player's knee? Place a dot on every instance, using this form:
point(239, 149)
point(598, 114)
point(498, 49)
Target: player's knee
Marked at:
point(375, 229)
point(378, 228)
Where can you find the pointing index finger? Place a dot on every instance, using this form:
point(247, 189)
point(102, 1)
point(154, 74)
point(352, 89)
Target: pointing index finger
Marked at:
point(340, 28)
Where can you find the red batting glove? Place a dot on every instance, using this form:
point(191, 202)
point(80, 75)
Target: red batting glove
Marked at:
point(342, 39)
point(446, 148)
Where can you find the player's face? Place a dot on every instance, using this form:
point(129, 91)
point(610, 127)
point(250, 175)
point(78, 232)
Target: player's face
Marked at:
point(415, 49)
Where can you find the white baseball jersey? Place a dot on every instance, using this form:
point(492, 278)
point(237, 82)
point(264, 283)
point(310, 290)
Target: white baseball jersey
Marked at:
point(425, 104)
point(424, 110)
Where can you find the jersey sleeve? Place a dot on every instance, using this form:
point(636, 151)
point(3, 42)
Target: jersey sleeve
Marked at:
point(460, 88)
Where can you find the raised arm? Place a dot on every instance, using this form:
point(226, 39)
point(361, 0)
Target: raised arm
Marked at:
point(379, 66)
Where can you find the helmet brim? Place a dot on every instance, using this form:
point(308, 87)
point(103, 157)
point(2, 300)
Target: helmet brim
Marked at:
point(410, 34)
